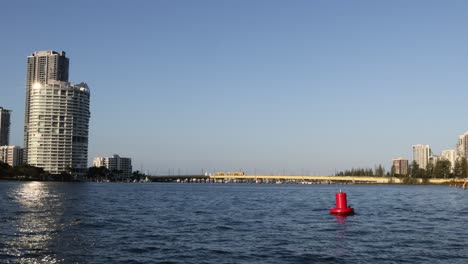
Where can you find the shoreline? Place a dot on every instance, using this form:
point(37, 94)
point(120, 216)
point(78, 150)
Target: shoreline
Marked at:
point(277, 179)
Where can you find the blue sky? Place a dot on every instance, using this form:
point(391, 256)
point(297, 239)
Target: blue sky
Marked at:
point(262, 86)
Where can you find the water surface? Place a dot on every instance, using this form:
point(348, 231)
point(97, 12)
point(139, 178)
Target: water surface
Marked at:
point(44, 222)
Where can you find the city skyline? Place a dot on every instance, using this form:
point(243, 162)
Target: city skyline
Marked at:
point(258, 86)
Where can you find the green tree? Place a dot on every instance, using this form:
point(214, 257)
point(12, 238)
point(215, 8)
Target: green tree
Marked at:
point(380, 171)
point(457, 169)
point(415, 171)
point(392, 171)
point(442, 169)
point(464, 168)
point(429, 171)
point(5, 170)
point(137, 175)
point(98, 173)
point(29, 172)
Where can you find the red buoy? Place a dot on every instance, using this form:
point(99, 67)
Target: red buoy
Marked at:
point(342, 207)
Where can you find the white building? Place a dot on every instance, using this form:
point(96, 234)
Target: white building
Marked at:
point(42, 67)
point(100, 162)
point(58, 127)
point(12, 155)
point(116, 164)
point(462, 145)
point(449, 155)
point(421, 154)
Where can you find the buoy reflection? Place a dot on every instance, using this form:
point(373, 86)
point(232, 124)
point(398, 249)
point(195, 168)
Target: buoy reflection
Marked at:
point(340, 219)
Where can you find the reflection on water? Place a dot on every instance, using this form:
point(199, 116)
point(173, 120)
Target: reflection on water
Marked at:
point(341, 219)
point(341, 242)
point(37, 223)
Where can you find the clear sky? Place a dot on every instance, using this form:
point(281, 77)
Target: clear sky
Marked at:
point(261, 86)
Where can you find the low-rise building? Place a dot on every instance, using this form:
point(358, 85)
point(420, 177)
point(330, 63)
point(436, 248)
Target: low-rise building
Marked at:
point(400, 166)
point(117, 165)
point(12, 155)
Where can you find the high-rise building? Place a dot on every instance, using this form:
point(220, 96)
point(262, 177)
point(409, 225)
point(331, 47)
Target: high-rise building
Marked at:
point(400, 166)
point(449, 155)
point(12, 155)
point(462, 145)
point(42, 67)
point(421, 154)
point(4, 126)
point(116, 164)
point(58, 127)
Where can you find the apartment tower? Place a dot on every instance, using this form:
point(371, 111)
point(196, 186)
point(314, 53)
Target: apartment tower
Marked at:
point(116, 164)
point(42, 66)
point(57, 116)
point(400, 166)
point(462, 146)
point(11, 155)
point(449, 155)
point(421, 154)
point(4, 126)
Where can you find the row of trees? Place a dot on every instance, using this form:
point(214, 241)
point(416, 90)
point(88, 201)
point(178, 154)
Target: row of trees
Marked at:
point(103, 174)
point(28, 172)
point(440, 169)
point(378, 171)
point(24, 171)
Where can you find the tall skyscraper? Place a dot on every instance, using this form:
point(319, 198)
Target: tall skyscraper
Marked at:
point(42, 66)
point(57, 116)
point(421, 154)
point(4, 126)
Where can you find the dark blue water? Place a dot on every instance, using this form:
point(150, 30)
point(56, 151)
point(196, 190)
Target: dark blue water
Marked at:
point(227, 223)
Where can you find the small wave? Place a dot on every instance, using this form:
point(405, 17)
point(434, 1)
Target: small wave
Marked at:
point(219, 251)
point(223, 227)
point(137, 250)
point(5, 219)
point(308, 258)
point(92, 225)
point(202, 212)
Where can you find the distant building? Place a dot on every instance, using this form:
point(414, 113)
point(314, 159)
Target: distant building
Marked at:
point(449, 155)
point(101, 162)
point(119, 166)
point(421, 154)
point(434, 159)
point(12, 155)
point(401, 166)
point(462, 145)
point(4, 126)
